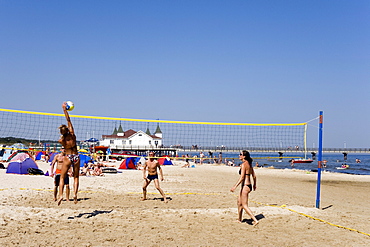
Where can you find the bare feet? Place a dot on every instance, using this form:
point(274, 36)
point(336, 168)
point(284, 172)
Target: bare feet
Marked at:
point(143, 199)
point(255, 223)
point(60, 201)
point(75, 199)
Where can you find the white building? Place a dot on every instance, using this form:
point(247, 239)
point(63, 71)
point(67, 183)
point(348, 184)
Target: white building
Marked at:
point(132, 139)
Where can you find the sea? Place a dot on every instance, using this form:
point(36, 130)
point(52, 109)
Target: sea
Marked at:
point(334, 161)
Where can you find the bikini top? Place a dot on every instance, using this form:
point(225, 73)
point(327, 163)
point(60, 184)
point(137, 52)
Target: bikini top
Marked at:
point(240, 172)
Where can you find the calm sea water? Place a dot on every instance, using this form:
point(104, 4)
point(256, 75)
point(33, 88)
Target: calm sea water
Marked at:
point(333, 161)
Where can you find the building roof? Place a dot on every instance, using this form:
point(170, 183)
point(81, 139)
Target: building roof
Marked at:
point(158, 130)
point(120, 130)
point(126, 135)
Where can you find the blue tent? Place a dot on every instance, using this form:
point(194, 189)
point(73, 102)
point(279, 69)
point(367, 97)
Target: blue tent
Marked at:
point(21, 167)
point(39, 155)
point(52, 155)
point(84, 159)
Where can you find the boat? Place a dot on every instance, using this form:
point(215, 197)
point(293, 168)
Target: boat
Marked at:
point(302, 160)
point(342, 167)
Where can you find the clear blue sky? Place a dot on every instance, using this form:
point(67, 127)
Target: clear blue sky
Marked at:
point(223, 61)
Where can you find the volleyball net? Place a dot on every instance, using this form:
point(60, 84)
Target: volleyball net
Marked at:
point(125, 133)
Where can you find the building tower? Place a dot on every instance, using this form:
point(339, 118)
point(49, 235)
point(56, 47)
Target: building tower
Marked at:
point(120, 131)
point(158, 132)
point(147, 130)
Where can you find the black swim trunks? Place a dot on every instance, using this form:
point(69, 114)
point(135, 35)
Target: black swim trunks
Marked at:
point(57, 180)
point(152, 177)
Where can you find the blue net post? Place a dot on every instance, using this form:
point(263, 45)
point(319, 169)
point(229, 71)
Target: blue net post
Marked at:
point(319, 160)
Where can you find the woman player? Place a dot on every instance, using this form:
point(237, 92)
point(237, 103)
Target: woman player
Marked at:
point(246, 171)
point(68, 141)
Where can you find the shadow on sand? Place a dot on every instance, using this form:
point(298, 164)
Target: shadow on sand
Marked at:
point(89, 215)
point(250, 221)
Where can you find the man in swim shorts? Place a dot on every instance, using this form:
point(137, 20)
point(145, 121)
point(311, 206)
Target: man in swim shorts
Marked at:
point(58, 160)
point(152, 166)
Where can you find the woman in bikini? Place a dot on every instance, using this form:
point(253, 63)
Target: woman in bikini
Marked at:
point(246, 171)
point(68, 141)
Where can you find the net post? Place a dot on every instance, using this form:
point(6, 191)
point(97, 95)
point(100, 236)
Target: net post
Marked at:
point(319, 160)
point(305, 141)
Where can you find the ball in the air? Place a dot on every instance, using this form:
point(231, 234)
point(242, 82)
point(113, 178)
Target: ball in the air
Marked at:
point(69, 105)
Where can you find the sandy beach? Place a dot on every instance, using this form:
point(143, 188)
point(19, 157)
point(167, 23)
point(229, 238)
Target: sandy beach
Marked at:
point(201, 210)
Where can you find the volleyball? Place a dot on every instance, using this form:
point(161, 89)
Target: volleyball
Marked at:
point(69, 105)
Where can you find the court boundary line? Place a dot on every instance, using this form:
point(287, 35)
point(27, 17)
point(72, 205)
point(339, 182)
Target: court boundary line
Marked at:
point(311, 217)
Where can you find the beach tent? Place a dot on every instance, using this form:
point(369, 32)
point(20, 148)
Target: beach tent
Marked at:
point(11, 156)
point(142, 160)
point(21, 167)
point(165, 161)
point(52, 155)
point(84, 159)
point(18, 156)
point(128, 163)
point(12, 149)
point(39, 155)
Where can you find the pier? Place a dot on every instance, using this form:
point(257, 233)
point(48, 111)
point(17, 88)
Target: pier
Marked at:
point(310, 152)
point(273, 150)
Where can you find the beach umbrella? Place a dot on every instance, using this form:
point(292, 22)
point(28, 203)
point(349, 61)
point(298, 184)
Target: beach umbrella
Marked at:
point(18, 146)
point(92, 140)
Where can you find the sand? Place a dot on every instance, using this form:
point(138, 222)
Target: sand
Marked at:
point(201, 210)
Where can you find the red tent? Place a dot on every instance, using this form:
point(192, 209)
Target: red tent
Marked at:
point(165, 160)
point(128, 163)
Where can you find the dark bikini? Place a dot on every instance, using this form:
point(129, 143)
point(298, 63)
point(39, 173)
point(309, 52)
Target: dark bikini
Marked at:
point(248, 185)
point(72, 157)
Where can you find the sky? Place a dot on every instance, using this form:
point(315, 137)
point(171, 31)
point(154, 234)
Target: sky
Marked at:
point(196, 60)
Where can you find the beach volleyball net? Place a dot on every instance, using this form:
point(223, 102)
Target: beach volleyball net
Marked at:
point(43, 127)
